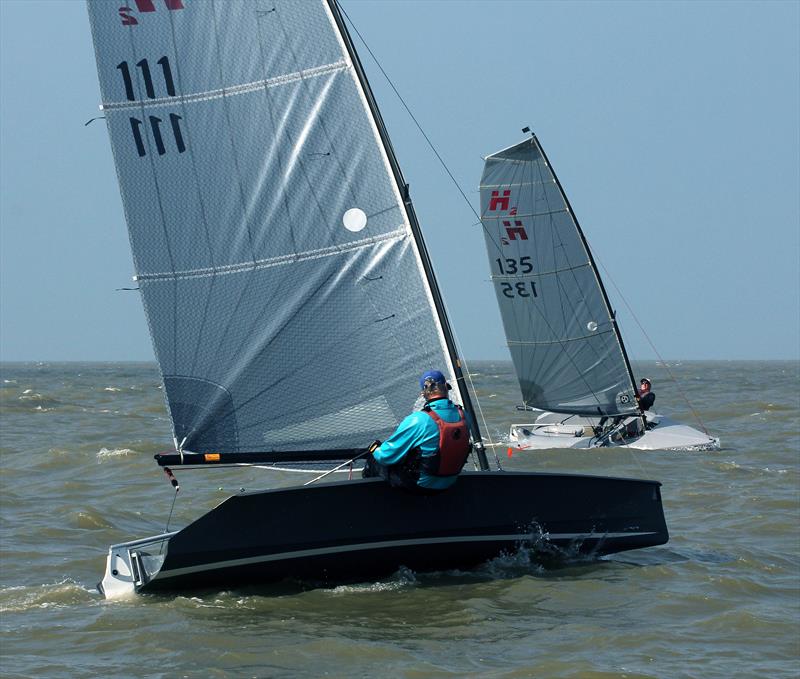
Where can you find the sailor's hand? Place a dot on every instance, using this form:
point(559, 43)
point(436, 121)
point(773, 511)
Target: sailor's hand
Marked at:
point(373, 446)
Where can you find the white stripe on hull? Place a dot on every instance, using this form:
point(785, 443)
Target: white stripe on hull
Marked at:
point(302, 553)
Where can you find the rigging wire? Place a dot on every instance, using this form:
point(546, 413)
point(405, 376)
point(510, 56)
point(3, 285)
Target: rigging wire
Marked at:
point(458, 187)
point(438, 156)
point(408, 110)
point(469, 204)
point(468, 378)
point(463, 195)
point(653, 347)
point(174, 482)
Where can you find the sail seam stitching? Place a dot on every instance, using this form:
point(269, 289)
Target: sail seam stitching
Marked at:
point(246, 88)
point(519, 184)
point(495, 277)
point(562, 341)
point(525, 214)
point(397, 234)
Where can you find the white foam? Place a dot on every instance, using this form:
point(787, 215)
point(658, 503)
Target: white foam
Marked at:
point(117, 452)
point(402, 578)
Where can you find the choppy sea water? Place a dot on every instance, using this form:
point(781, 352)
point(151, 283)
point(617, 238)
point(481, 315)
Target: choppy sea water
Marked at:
point(722, 599)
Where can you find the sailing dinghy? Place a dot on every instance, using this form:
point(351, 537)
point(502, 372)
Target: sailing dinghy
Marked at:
point(563, 336)
point(292, 305)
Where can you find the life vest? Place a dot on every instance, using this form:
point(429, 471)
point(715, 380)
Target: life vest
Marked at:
point(646, 401)
point(453, 449)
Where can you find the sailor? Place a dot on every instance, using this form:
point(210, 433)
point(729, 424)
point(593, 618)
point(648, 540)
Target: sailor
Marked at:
point(645, 397)
point(429, 448)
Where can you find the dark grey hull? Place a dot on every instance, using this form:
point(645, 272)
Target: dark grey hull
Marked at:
point(363, 529)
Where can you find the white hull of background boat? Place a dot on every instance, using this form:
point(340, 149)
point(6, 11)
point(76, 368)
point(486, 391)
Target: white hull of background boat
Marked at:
point(554, 430)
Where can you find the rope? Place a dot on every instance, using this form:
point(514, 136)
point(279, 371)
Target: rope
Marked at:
point(458, 188)
point(468, 377)
point(169, 518)
point(411, 115)
point(480, 221)
point(653, 347)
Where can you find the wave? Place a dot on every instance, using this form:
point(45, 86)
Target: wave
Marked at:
point(402, 578)
point(105, 453)
point(22, 598)
point(91, 519)
point(30, 396)
point(732, 465)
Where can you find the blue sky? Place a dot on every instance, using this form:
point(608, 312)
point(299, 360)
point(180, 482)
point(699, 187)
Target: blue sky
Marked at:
point(673, 127)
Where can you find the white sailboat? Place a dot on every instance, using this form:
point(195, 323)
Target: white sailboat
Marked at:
point(292, 306)
point(565, 343)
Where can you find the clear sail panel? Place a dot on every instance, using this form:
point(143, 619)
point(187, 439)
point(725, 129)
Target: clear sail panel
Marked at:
point(566, 353)
point(283, 288)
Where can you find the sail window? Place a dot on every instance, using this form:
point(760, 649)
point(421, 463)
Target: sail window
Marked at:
point(354, 219)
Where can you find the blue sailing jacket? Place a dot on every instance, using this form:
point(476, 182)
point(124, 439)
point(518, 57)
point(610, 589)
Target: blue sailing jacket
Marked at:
point(419, 430)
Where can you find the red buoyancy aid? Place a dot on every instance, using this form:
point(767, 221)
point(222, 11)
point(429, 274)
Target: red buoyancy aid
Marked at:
point(453, 449)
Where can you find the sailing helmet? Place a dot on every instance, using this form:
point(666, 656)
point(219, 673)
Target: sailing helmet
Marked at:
point(646, 381)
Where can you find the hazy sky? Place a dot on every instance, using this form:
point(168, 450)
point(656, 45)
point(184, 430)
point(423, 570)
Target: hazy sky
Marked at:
point(673, 127)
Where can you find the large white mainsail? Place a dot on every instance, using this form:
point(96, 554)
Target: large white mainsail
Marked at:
point(562, 335)
point(285, 292)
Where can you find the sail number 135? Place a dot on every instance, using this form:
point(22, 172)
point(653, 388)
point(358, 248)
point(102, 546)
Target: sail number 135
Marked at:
point(510, 266)
point(519, 289)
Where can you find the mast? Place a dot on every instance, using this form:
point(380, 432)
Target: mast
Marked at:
point(611, 314)
point(416, 232)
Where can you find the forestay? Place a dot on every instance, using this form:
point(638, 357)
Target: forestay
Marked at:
point(286, 298)
point(563, 340)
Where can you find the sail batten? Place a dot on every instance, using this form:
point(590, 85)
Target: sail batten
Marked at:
point(560, 330)
point(548, 213)
point(580, 338)
point(245, 88)
point(284, 289)
point(274, 261)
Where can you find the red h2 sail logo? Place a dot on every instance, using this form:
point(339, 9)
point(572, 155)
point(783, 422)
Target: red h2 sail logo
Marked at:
point(514, 231)
point(498, 202)
point(503, 202)
point(126, 13)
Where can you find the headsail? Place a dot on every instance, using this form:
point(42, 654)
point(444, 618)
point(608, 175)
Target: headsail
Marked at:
point(562, 335)
point(285, 291)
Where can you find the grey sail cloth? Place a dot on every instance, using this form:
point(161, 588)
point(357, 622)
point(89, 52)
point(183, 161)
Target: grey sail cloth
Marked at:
point(566, 352)
point(285, 294)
